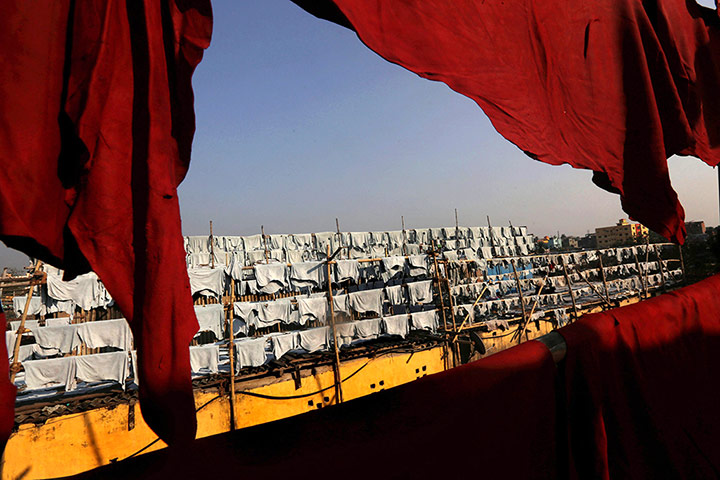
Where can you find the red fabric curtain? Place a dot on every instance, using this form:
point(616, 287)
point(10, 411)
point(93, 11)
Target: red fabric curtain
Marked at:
point(96, 122)
point(642, 388)
point(611, 86)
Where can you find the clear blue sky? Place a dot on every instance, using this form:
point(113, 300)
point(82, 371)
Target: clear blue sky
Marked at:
point(299, 123)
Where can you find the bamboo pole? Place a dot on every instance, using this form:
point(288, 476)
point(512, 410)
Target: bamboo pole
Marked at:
point(567, 280)
point(336, 365)
point(340, 242)
point(682, 262)
point(442, 309)
point(15, 365)
point(640, 276)
point(231, 351)
point(212, 247)
point(447, 347)
point(520, 331)
point(437, 279)
point(604, 299)
point(602, 272)
point(662, 266)
point(467, 317)
point(647, 258)
point(4, 274)
point(262, 230)
point(12, 282)
point(520, 294)
point(492, 236)
point(456, 349)
point(450, 298)
point(404, 247)
point(457, 226)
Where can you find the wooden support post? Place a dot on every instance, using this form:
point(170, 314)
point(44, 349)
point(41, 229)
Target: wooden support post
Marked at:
point(340, 241)
point(467, 317)
point(336, 365)
point(231, 352)
point(439, 287)
point(404, 246)
point(4, 274)
point(262, 230)
point(662, 267)
point(640, 275)
point(532, 310)
point(602, 273)
point(645, 266)
point(682, 262)
point(492, 236)
point(14, 364)
point(457, 226)
point(447, 345)
point(520, 294)
point(456, 349)
point(513, 234)
point(569, 285)
point(212, 247)
point(600, 295)
point(450, 298)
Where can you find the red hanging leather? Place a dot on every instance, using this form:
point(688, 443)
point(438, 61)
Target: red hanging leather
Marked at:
point(611, 86)
point(96, 122)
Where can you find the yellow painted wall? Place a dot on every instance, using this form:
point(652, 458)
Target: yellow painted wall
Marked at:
point(390, 370)
point(75, 443)
point(499, 340)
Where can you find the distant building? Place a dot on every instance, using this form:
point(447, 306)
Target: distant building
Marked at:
point(550, 242)
point(697, 238)
point(695, 228)
point(570, 242)
point(555, 243)
point(588, 241)
point(621, 234)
